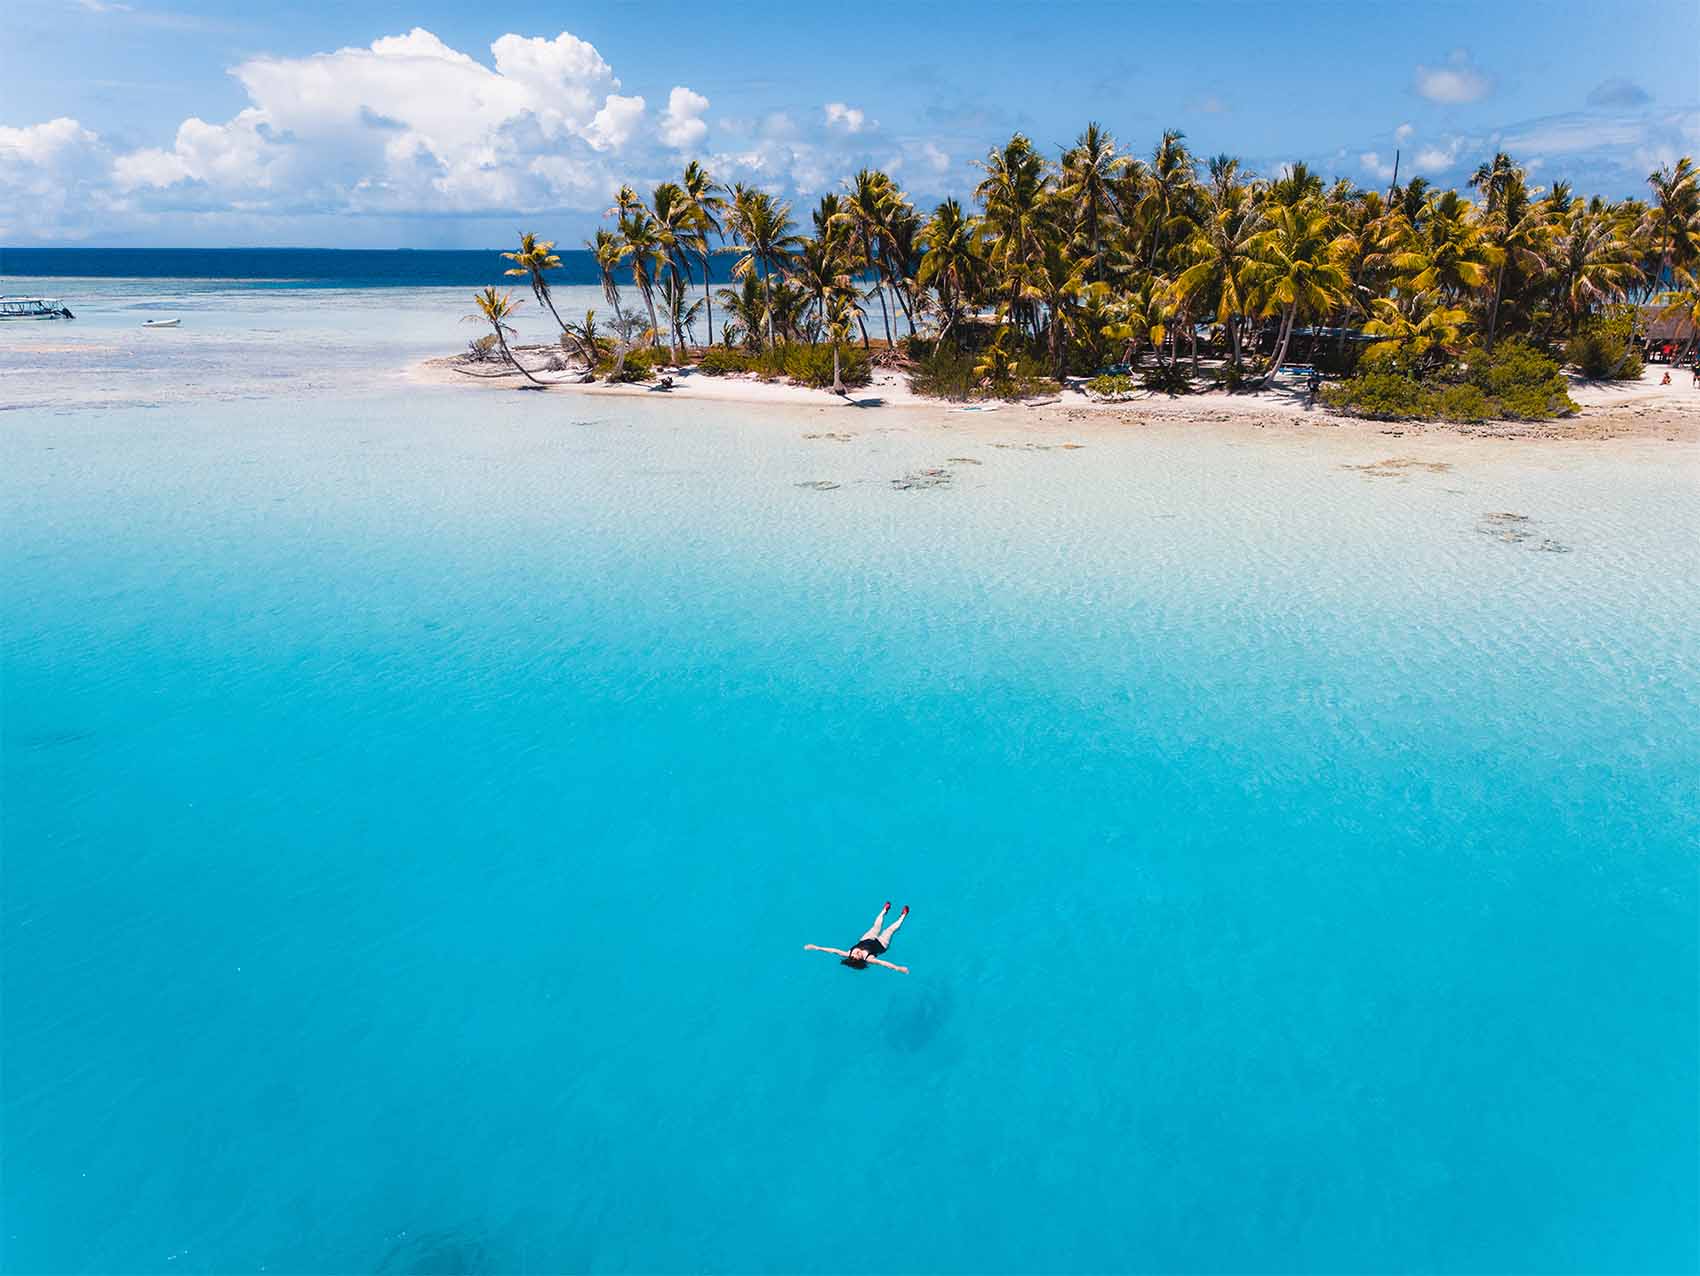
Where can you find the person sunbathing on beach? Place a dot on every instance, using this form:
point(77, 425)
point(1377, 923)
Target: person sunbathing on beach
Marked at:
point(866, 951)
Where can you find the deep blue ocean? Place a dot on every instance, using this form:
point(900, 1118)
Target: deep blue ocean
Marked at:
point(417, 799)
point(301, 267)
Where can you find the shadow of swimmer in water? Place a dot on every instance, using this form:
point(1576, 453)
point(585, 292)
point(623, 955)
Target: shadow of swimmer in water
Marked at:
point(866, 950)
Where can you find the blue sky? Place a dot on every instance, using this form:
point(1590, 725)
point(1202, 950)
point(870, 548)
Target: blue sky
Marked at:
point(445, 125)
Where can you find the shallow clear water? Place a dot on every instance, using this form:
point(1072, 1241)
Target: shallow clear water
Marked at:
point(416, 800)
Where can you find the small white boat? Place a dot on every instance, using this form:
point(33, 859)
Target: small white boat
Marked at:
point(161, 323)
point(34, 308)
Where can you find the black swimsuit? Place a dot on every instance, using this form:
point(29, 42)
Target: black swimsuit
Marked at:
point(871, 946)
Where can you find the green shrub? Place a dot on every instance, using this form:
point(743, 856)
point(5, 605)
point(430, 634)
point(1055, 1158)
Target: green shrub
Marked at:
point(1527, 384)
point(1383, 396)
point(1167, 379)
point(1602, 351)
point(1463, 403)
point(941, 372)
point(641, 364)
point(1230, 378)
point(720, 361)
point(1515, 382)
point(812, 365)
point(1111, 386)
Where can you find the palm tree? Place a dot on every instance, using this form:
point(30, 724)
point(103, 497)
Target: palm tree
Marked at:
point(676, 300)
point(1172, 175)
point(640, 243)
point(1673, 220)
point(703, 198)
point(496, 308)
point(533, 258)
point(1494, 179)
point(1590, 264)
point(952, 263)
point(605, 248)
point(1447, 250)
point(1518, 230)
point(866, 212)
point(1016, 196)
point(1683, 302)
point(1223, 249)
point(1055, 279)
point(585, 341)
point(1423, 330)
point(673, 218)
point(1296, 274)
point(1089, 172)
point(763, 227)
point(821, 271)
point(840, 311)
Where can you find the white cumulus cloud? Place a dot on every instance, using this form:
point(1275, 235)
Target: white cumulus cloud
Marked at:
point(846, 119)
point(51, 178)
point(682, 124)
point(1457, 82)
point(408, 124)
point(1372, 163)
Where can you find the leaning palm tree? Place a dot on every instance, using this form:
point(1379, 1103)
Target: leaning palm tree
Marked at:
point(605, 248)
point(533, 258)
point(496, 308)
point(1297, 274)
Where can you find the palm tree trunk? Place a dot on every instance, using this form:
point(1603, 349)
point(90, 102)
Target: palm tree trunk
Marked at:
point(1281, 345)
point(884, 313)
point(1493, 311)
point(767, 310)
point(654, 323)
point(837, 375)
point(549, 301)
point(509, 355)
point(1234, 339)
point(708, 299)
point(862, 323)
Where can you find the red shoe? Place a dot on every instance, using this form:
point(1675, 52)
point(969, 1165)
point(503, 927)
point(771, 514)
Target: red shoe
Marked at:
point(905, 911)
point(887, 907)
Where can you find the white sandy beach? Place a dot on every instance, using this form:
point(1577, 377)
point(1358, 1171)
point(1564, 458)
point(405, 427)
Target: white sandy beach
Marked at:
point(1641, 409)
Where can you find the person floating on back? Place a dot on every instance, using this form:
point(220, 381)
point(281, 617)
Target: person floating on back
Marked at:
point(866, 951)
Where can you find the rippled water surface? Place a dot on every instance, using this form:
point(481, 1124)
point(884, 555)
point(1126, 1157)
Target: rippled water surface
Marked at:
point(417, 799)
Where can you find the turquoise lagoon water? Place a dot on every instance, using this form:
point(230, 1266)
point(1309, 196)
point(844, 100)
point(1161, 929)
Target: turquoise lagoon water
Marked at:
point(417, 799)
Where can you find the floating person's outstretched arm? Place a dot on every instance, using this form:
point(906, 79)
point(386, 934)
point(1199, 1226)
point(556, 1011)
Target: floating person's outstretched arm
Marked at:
point(870, 958)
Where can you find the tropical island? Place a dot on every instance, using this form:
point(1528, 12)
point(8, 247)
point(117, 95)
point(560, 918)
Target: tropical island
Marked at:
point(1103, 277)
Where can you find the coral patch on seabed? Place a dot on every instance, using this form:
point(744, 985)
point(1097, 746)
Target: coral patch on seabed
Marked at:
point(1399, 467)
point(1514, 529)
point(917, 479)
point(819, 485)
